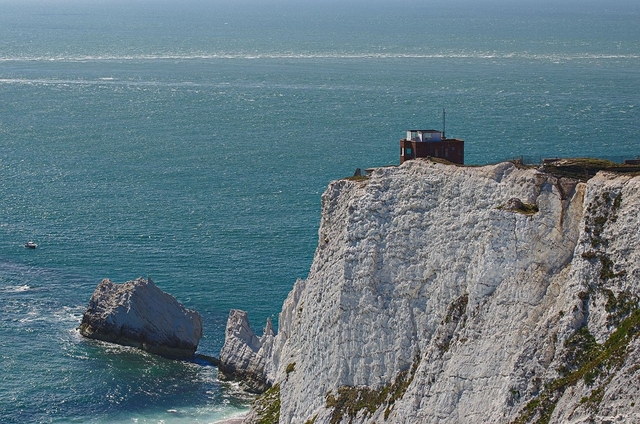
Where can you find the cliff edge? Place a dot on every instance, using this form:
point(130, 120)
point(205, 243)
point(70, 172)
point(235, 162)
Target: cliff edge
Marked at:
point(445, 294)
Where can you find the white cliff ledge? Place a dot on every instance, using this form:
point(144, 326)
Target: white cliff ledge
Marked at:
point(434, 297)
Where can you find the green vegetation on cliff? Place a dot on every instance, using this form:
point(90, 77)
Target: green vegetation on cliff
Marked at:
point(351, 400)
point(593, 363)
point(267, 406)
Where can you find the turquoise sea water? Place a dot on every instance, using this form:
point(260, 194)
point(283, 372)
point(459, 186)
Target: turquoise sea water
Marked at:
point(191, 141)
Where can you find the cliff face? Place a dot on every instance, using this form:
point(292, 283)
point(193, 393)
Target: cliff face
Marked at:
point(434, 296)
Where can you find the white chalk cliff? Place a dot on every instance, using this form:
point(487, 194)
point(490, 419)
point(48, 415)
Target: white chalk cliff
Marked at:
point(432, 299)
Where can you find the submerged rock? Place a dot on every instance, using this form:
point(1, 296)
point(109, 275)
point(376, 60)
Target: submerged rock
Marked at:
point(137, 313)
point(244, 354)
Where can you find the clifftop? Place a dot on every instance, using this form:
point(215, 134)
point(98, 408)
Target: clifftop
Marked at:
point(434, 297)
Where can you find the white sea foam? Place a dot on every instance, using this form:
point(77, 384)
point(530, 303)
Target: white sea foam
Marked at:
point(323, 55)
point(210, 414)
point(85, 82)
point(68, 314)
point(16, 289)
point(33, 315)
point(551, 58)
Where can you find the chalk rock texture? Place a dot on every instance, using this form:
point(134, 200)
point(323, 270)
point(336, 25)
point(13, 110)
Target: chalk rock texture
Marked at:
point(429, 301)
point(243, 355)
point(137, 313)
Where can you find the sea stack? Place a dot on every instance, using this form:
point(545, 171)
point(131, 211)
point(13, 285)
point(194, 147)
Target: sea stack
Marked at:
point(244, 354)
point(137, 313)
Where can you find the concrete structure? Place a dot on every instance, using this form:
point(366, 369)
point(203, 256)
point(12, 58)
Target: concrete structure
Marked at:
point(431, 143)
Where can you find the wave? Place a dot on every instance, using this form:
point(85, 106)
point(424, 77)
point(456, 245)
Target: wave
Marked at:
point(104, 81)
point(15, 289)
point(69, 314)
point(61, 315)
point(100, 81)
point(330, 55)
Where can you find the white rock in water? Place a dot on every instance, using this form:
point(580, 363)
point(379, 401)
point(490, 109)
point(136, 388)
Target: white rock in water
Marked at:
point(243, 355)
point(428, 301)
point(137, 313)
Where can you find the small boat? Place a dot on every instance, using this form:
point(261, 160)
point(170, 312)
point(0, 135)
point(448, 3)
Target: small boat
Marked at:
point(30, 245)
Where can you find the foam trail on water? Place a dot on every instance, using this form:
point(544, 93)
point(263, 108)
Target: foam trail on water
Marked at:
point(16, 289)
point(323, 55)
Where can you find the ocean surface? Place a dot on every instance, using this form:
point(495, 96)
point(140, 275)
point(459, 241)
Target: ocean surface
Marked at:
point(190, 142)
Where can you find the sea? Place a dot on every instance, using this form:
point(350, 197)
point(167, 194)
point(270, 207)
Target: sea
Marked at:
point(190, 142)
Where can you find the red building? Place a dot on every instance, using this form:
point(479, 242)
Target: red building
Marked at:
point(431, 143)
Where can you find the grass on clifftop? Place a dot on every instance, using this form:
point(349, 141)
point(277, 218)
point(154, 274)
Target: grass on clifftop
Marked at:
point(583, 169)
point(356, 178)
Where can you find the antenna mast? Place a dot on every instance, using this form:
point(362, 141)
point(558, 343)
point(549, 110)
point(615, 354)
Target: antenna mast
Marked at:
point(443, 122)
